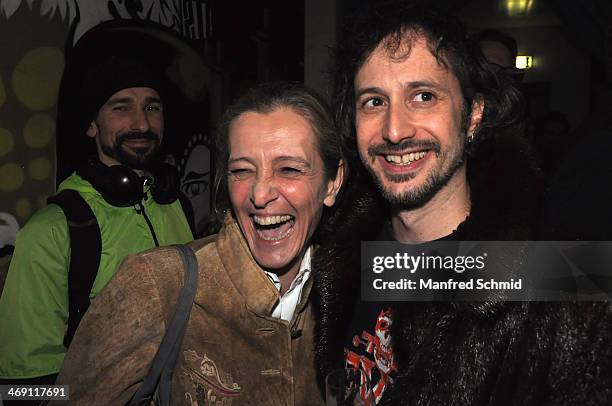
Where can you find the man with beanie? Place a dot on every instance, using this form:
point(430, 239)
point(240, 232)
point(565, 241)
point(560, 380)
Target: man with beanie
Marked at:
point(133, 198)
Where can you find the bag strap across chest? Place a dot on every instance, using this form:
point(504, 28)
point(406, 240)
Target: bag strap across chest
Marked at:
point(157, 384)
point(85, 251)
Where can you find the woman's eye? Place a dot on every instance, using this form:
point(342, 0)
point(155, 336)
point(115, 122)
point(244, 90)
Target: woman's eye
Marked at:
point(288, 170)
point(239, 173)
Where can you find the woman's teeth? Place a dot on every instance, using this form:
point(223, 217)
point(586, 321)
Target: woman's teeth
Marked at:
point(271, 220)
point(273, 228)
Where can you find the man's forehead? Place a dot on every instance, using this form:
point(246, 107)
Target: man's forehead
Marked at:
point(398, 45)
point(411, 51)
point(134, 93)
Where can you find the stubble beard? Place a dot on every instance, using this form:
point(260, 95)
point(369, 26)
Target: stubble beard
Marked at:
point(418, 195)
point(138, 158)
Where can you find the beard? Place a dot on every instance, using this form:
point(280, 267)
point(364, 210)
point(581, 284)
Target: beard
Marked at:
point(435, 180)
point(134, 158)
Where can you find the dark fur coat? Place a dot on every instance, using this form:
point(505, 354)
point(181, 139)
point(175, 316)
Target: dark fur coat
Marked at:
point(470, 353)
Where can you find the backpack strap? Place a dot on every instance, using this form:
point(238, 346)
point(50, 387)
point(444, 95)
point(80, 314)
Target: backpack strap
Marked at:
point(85, 251)
point(159, 378)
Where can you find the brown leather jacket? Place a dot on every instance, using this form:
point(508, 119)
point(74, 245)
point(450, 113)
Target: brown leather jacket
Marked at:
point(233, 352)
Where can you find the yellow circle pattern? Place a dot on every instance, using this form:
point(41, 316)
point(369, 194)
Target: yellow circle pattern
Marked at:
point(39, 130)
point(11, 177)
point(7, 141)
point(23, 208)
point(40, 168)
point(37, 76)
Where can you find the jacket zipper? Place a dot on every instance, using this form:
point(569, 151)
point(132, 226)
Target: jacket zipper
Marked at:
point(141, 210)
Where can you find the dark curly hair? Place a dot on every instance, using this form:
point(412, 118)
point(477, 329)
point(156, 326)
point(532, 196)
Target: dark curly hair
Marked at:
point(397, 25)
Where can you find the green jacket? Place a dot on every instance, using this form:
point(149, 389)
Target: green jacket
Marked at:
point(34, 303)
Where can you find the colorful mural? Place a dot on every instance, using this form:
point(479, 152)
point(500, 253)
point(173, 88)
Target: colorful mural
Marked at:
point(30, 75)
point(30, 71)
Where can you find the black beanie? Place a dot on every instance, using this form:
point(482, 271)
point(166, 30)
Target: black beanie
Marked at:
point(109, 76)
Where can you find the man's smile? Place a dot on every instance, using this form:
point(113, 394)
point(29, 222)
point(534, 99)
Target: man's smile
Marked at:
point(405, 159)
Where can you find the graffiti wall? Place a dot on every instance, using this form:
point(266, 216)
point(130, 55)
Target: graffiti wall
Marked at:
point(34, 37)
point(30, 73)
point(31, 65)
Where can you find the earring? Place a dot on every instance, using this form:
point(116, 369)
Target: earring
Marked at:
point(470, 138)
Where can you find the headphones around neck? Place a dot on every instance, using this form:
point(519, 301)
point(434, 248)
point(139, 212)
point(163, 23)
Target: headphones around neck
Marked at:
point(122, 187)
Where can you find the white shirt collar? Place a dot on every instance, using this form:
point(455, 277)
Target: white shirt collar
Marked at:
point(287, 303)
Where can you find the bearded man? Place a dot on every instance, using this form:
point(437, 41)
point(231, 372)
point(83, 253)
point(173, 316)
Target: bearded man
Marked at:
point(125, 193)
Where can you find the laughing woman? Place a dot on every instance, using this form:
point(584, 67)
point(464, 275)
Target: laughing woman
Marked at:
point(249, 339)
